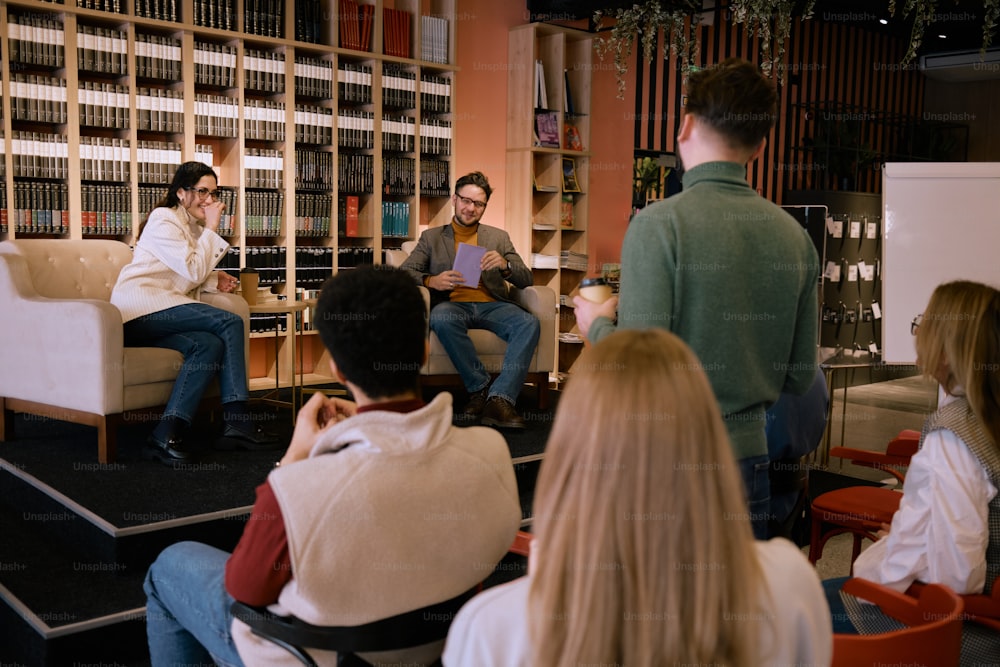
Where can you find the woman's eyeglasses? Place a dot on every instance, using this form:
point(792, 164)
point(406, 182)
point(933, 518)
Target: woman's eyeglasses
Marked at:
point(915, 324)
point(204, 192)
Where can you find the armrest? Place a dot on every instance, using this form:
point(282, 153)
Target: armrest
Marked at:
point(541, 302)
point(62, 352)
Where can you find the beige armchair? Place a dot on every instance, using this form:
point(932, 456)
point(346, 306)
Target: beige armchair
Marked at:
point(61, 349)
point(539, 300)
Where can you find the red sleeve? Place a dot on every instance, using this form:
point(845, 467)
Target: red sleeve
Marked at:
point(260, 565)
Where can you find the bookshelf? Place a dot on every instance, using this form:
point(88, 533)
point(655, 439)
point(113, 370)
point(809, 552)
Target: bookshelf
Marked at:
point(547, 185)
point(325, 121)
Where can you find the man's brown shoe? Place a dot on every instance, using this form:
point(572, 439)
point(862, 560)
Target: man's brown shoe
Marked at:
point(477, 401)
point(500, 412)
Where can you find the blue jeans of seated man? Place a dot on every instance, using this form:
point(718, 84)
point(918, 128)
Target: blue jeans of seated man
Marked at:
point(212, 342)
point(755, 473)
point(517, 327)
point(187, 608)
point(838, 612)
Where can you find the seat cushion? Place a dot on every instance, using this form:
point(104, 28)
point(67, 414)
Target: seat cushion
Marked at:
point(865, 505)
point(146, 365)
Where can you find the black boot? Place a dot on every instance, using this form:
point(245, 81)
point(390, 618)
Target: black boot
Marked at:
point(241, 432)
point(166, 442)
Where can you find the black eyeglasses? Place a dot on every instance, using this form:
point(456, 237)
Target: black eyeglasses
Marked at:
point(204, 192)
point(915, 324)
point(480, 205)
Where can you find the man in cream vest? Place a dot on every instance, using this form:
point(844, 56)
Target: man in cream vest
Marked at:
point(379, 506)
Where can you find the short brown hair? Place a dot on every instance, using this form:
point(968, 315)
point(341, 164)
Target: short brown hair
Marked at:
point(476, 178)
point(735, 100)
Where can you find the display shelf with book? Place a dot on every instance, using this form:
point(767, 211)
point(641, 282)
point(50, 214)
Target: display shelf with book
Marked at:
point(548, 134)
point(295, 105)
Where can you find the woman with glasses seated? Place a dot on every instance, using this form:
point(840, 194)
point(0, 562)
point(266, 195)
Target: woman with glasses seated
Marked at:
point(158, 294)
point(643, 552)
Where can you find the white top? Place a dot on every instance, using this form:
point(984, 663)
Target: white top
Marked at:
point(491, 630)
point(940, 533)
point(172, 264)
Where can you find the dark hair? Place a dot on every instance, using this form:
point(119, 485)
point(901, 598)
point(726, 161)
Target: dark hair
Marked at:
point(735, 100)
point(186, 176)
point(373, 321)
point(476, 178)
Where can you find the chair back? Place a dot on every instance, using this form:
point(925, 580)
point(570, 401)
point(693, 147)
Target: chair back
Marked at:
point(71, 268)
point(933, 635)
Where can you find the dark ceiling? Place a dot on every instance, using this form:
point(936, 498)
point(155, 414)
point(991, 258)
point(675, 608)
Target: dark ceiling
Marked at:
point(959, 21)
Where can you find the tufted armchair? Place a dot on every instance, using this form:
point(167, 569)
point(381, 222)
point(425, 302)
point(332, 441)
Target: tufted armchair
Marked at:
point(61, 349)
point(539, 300)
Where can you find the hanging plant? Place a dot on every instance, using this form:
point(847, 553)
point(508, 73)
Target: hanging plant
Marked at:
point(771, 22)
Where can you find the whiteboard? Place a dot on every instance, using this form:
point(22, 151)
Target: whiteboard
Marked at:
point(941, 222)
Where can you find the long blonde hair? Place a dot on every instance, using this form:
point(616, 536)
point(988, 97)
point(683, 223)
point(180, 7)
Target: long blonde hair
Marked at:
point(961, 328)
point(645, 553)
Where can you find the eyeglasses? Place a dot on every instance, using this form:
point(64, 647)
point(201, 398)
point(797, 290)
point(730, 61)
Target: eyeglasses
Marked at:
point(204, 192)
point(480, 205)
point(915, 324)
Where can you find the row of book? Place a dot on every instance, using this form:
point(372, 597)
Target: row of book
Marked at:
point(267, 257)
point(399, 87)
point(434, 39)
point(264, 71)
point(396, 218)
point(107, 209)
point(435, 178)
point(355, 25)
point(355, 173)
point(157, 161)
point(264, 167)
point(220, 14)
point(398, 175)
point(435, 93)
point(313, 125)
point(159, 110)
point(40, 208)
point(39, 155)
point(103, 159)
point(313, 170)
point(354, 83)
point(265, 323)
point(395, 32)
point(116, 6)
point(313, 214)
point(264, 17)
point(36, 39)
point(313, 77)
point(214, 64)
point(435, 136)
point(159, 57)
point(398, 133)
point(3, 210)
point(103, 105)
point(37, 99)
point(349, 258)
point(308, 21)
point(102, 50)
point(216, 115)
point(313, 265)
point(264, 120)
point(356, 129)
point(264, 212)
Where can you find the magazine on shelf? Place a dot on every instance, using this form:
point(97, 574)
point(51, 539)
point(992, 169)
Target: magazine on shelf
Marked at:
point(547, 128)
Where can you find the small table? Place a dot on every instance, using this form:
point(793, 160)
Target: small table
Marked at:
point(278, 309)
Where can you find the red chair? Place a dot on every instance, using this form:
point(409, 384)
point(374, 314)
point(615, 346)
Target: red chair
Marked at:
point(861, 510)
point(979, 607)
point(933, 635)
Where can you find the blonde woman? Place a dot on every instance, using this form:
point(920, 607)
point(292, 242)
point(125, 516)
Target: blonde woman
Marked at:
point(947, 529)
point(643, 552)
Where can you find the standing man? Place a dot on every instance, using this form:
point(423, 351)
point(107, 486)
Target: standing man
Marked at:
point(728, 271)
point(457, 306)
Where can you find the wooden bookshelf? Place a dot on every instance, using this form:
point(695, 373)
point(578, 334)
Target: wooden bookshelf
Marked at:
point(550, 219)
point(165, 77)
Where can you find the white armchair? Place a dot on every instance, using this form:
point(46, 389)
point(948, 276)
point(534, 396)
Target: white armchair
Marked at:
point(61, 344)
point(538, 299)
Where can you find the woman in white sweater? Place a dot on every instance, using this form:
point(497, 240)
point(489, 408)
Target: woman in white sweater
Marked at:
point(643, 553)
point(158, 293)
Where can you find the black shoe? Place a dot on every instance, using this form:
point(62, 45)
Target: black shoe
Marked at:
point(500, 412)
point(477, 401)
point(255, 439)
point(172, 450)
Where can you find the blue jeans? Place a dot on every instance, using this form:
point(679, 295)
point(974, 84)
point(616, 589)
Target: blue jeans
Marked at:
point(212, 342)
point(838, 613)
point(187, 608)
point(514, 325)
point(755, 471)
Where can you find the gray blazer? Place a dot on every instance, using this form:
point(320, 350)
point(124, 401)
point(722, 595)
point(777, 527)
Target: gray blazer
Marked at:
point(435, 252)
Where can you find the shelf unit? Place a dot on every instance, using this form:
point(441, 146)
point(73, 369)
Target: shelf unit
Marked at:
point(547, 218)
point(119, 98)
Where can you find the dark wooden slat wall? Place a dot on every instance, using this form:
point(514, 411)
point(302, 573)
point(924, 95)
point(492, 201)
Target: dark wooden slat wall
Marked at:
point(850, 70)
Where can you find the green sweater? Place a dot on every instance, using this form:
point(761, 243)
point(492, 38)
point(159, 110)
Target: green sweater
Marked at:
point(736, 278)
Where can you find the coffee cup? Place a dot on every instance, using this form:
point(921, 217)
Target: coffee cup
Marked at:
point(249, 279)
point(595, 289)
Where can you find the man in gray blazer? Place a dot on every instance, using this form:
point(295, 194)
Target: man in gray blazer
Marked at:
point(457, 306)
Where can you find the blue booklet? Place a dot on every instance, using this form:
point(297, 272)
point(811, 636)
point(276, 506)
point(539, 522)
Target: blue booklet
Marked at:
point(467, 260)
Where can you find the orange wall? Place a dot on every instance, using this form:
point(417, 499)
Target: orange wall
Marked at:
point(480, 134)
